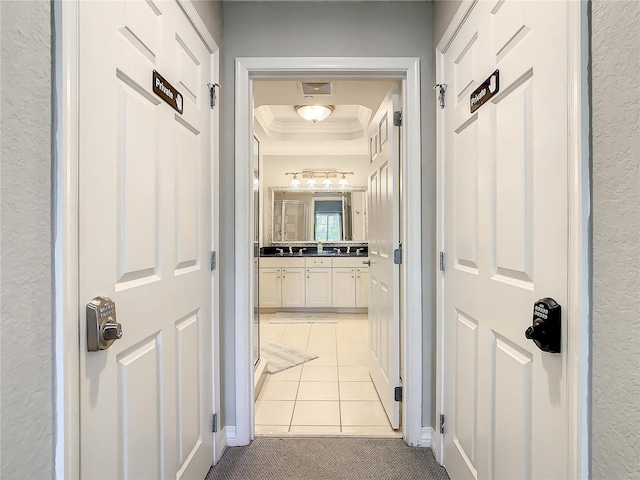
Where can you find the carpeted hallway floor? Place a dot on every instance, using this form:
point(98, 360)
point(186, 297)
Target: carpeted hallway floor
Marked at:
point(327, 459)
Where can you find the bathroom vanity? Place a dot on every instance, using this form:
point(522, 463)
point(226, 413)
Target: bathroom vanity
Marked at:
point(300, 277)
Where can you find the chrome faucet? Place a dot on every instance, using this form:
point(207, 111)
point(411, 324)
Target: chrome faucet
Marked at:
point(301, 250)
point(337, 250)
point(280, 251)
point(290, 251)
point(359, 251)
point(348, 249)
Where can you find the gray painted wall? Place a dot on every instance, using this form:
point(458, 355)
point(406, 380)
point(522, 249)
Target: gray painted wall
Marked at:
point(615, 95)
point(211, 13)
point(257, 29)
point(26, 359)
point(443, 13)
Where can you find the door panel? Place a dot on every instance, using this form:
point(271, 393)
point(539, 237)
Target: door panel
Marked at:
point(505, 235)
point(384, 319)
point(145, 238)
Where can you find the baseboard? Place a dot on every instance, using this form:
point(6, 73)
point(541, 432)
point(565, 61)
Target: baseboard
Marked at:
point(426, 437)
point(232, 439)
point(221, 444)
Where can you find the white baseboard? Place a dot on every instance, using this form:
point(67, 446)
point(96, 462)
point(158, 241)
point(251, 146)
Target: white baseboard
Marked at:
point(232, 439)
point(425, 438)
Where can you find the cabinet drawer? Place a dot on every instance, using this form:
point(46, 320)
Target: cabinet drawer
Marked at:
point(317, 262)
point(350, 262)
point(270, 262)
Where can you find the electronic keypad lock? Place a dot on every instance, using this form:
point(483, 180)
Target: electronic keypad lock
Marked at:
point(102, 326)
point(546, 328)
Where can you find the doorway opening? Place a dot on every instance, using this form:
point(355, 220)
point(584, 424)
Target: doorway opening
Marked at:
point(312, 332)
point(406, 73)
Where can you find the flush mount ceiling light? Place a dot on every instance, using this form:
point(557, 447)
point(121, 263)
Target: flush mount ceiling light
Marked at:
point(314, 113)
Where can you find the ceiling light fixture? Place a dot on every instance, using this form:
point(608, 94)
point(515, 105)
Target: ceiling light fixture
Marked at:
point(314, 113)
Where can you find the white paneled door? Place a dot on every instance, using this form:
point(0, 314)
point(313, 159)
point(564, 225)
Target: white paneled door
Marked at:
point(505, 240)
point(145, 238)
point(384, 213)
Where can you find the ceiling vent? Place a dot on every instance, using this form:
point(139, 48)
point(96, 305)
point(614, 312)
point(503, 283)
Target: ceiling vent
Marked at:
point(316, 88)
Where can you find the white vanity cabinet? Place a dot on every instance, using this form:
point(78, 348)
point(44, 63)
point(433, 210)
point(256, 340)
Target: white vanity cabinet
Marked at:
point(350, 282)
point(282, 282)
point(318, 282)
point(313, 282)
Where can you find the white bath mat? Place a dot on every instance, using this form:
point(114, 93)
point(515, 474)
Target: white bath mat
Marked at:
point(281, 356)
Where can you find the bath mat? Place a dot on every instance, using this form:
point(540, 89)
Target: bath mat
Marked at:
point(280, 356)
point(300, 317)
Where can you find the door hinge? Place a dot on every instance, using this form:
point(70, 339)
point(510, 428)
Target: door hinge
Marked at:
point(442, 88)
point(212, 93)
point(397, 255)
point(213, 261)
point(397, 394)
point(214, 423)
point(441, 423)
point(442, 261)
point(397, 118)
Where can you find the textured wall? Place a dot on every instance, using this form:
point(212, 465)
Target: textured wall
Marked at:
point(443, 13)
point(26, 393)
point(282, 29)
point(615, 94)
point(211, 13)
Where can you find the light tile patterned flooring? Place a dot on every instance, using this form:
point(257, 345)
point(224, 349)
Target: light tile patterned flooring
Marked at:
point(331, 395)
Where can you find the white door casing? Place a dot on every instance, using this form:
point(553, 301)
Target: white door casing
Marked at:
point(384, 236)
point(145, 234)
point(406, 71)
point(505, 236)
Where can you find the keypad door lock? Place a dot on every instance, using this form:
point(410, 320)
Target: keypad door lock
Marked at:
point(546, 329)
point(102, 326)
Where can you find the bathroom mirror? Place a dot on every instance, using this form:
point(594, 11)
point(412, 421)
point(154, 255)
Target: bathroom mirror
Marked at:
point(299, 215)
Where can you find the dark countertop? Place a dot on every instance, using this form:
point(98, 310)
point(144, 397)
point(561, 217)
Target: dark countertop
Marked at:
point(312, 251)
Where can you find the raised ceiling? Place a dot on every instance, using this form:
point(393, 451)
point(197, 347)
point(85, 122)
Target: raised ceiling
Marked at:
point(283, 132)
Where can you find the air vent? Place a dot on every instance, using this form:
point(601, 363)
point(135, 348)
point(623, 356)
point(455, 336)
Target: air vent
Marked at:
point(323, 88)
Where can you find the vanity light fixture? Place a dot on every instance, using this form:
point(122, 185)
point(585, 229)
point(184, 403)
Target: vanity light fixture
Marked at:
point(294, 181)
point(343, 182)
point(314, 113)
point(327, 181)
point(311, 182)
point(314, 176)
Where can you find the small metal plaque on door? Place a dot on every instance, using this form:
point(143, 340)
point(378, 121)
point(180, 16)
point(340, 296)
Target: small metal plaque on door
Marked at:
point(485, 91)
point(167, 92)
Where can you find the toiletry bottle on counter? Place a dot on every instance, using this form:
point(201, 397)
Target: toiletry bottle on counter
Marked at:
point(319, 247)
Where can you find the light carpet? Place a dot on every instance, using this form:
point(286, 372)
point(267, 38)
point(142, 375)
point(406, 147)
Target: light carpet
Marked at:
point(280, 356)
point(327, 459)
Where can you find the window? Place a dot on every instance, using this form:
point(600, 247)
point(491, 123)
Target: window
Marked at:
point(328, 227)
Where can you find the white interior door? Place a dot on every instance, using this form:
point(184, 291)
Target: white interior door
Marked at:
point(384, 317)
point(505, 240)
point(145, 238)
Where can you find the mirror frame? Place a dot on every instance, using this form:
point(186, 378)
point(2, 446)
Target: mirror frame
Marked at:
point(316, 189)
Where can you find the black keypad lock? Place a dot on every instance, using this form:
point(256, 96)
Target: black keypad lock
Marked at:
point(546, 328)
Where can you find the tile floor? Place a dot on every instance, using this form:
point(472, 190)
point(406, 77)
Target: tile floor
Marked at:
point(331, 395)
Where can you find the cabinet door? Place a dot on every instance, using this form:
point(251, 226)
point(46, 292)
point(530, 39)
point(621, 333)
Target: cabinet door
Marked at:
point(293, 283)
point(362, 287)
point(318, 287)
point(344, 287)
point(270, 287)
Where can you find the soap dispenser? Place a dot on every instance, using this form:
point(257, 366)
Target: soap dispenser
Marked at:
point(319, 247)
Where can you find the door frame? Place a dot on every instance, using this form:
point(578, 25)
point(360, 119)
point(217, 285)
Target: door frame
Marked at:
point(66, 229)
point(579, 244)
point(406, 70)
